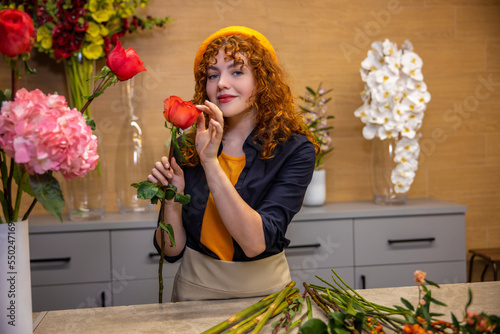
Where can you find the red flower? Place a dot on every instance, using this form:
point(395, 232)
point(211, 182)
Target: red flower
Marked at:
point(17, 33)
point(124, 63)
point(181, 114)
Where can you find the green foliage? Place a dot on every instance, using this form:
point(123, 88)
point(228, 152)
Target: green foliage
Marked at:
point(170, 231)
point(154, 192)
point(314, 326)
point(48, 192)
point(315, 116)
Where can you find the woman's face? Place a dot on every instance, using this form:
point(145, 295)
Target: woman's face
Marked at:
point(230, 85)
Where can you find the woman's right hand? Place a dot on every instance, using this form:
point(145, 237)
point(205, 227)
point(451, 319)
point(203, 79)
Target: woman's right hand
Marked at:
point(168, 173)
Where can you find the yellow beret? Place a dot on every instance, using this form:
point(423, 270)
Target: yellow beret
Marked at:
point(234, 30)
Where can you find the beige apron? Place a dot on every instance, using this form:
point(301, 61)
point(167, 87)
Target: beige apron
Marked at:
point(201, 277)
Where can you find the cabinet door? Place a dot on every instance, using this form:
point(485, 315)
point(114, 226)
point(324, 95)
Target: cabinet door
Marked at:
point(71, 296)
point(369, 277)
point(134, 256)
point(320, 244)
point(393, 240)
point(76, 257)
point(141, 291)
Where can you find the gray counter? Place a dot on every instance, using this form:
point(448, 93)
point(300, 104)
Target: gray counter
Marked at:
point(195, 317)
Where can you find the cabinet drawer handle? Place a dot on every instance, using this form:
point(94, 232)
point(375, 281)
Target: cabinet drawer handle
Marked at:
point(55, 259)
point(151, 255)
point(400, 241)
point(317, 245)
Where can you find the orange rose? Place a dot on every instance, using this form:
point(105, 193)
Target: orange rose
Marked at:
point(124, 63)
point(17, 33)
point(181, 114)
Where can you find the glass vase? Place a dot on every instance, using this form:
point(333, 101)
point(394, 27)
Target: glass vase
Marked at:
point(85, 197)
point(382, 166)
point(133, 160)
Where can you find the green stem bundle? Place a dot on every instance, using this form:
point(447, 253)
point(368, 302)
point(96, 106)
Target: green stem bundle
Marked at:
point(257, 315)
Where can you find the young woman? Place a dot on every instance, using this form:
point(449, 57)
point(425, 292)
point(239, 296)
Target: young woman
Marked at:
point(247, 174)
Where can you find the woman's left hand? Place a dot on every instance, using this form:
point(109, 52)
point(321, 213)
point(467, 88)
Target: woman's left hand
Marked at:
point(208, 139)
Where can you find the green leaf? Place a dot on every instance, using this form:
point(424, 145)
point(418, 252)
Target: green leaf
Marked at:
point(432, 283)
point(146, 189)
point(21, 178)
point(48, 192)
point(312, 91)
point(4, 206)
point(91, 123)
point(170, 231)
point(437, 302)
point(183, 199)
point(3, 97)
point(350, 310)
point(28, 69)
point(359, 320)
point(169, 194)
point(341, 331)
point(455, 321)
point(314, 326)
point(407, 304)
point(108, 83)
point(470, 300)
point(337, 318)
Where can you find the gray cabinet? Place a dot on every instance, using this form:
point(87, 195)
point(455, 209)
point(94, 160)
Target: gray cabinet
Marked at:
point(318, 246)
point(135, 264)
point(113, 262)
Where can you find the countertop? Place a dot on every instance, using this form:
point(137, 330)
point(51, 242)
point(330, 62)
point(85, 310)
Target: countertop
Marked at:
point(195, 317)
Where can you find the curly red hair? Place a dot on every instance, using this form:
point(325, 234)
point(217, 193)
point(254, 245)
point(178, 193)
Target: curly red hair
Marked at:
point(276, 118)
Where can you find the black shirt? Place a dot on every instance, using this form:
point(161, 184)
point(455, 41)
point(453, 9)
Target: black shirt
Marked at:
point(273, 187)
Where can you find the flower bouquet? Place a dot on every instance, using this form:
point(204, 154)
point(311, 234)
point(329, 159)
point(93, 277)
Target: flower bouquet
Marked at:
point(395, 98)
point(77, 34)
point(39, 132)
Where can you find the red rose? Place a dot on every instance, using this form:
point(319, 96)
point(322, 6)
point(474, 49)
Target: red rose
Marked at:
point(181, 114)
point(17, 33)
point(124, 63)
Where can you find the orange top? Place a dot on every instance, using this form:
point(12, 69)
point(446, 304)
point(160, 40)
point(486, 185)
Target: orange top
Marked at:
point(214, 234)
point(234, 30)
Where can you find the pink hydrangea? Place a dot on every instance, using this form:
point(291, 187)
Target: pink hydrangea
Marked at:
point(42, 133)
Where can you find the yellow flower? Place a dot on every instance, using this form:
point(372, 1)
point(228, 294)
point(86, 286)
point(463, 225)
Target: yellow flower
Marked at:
point(101, 11)
point(44, 36)
point(93, 30)
point(125, 10)
point(94, 40)
point(93, 51)
point(104, 31)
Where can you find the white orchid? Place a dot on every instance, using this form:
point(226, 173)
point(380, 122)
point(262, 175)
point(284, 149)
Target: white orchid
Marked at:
point(394, 100)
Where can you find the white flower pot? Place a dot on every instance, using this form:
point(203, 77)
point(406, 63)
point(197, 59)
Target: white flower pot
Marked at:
point(15, 279)
point(316, 191)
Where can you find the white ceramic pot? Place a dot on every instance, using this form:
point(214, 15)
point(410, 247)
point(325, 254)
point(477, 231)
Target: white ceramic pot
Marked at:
point(316, 191)
point(15, 279)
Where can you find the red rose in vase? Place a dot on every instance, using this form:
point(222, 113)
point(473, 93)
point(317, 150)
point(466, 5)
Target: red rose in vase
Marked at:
point(124, 63)
point(181, 114)
point(17, 33)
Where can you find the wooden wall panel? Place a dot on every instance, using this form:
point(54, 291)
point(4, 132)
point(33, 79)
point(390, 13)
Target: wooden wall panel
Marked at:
point(325, 41)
